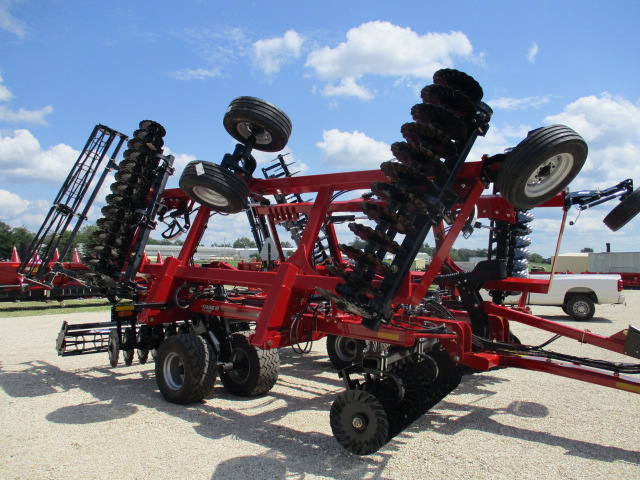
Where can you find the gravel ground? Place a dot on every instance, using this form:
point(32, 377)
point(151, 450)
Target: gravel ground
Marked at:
point(75, 417)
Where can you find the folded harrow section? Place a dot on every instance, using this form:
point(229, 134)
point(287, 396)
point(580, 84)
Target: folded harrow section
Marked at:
point(103, 143)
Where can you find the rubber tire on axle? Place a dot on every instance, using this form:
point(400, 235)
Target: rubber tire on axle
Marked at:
point(214, 187)
point(255, 371)
point(624, 211)
point(247, 115)
point(580, 307)
point(541, 166)
point(344, 351)
point(185, 368)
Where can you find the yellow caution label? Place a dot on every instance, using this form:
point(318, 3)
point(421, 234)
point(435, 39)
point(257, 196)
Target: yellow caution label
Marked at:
point(388, 336)
point(629, 388)
point(122, 308)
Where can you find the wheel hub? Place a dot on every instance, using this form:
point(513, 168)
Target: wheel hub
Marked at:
point(241, 366)
point(548, 175)
point(173, 371)
point(246, 130)
point(359, 423)
point(346, 348)
point(580, 308)
point(210, 196)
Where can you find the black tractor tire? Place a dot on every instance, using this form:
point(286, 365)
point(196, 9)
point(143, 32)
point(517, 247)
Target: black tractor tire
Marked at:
point(626, 210)
point(185, 368)
point(255, 371)
point(248, 115)
point(580, 307)
point(214, 187)
point(541, 166)
point(344, 351)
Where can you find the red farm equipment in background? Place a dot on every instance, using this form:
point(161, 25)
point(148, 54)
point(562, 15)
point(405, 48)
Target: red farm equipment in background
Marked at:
point(402, 339)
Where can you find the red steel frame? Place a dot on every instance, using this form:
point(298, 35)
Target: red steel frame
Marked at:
point(285, 290)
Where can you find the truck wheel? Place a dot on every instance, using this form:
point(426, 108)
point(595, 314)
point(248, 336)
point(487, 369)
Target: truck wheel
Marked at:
point(247, 116)
point(580, 307)
point(624, 211)
point(344, 351)
point(254, 372)
point(541, 166)
point(214, 187)
point(185, 368)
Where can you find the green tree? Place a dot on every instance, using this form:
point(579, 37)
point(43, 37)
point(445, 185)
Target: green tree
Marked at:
point(427, 249)
point(6, 245)
point(244, 242)
point(464, 254)
point(21, 238)
point(586, 250)
point(164, 241)
point(358, 243)
point(84, 234)
point(286, 244)
point(83, 237)
point(536, 258)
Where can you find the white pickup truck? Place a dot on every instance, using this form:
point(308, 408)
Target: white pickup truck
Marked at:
point(577, 294)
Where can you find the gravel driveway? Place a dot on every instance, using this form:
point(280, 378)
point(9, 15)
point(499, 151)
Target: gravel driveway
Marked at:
point(75, 417)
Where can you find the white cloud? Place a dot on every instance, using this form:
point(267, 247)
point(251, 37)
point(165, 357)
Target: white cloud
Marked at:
point(25, 116)
point(348, 88)
point(21, 115)
point(195, 74)
point(8, 22)
point(611, 127)
point(507, 103)
point(226, 229)
point(181, 160)
point(532, 53)
point(381, 48)
point(217, 47)
point(12, 204)
point(603, 120)
point(352, 150)
point(23, 159)
point(271, 54)
point(497, 139)
point(5, 93)
point(19, 212)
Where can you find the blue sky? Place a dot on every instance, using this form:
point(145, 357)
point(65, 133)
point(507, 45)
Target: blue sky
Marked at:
point(346, 73)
